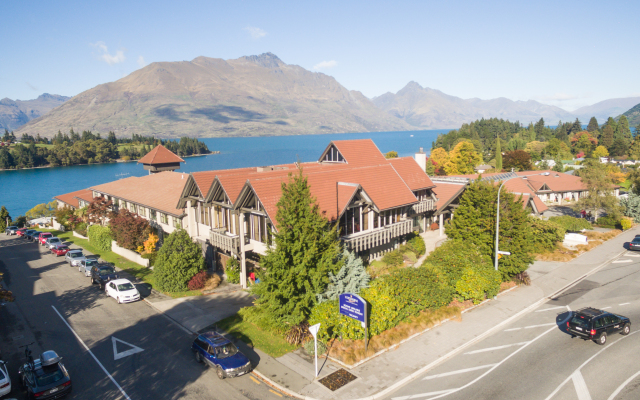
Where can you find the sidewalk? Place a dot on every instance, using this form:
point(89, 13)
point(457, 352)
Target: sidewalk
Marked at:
point(294, 372)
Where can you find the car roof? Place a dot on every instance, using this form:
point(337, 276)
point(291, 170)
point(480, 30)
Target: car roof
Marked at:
point(120, 281)
point(75, 251)
point(214, 338)
point(591, 312)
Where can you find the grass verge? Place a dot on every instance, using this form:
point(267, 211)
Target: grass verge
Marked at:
point(564, 254)
point(269, 342)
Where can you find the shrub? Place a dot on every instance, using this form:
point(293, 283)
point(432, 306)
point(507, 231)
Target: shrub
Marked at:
point(608, 222)
point(454, 256)
point(416, 245)
point(179, 259)
point(546, 234)
point(475, 282)
point(81, 228)
point(571, 224)
point(310, 348)
point(100, 237)
point(198, 280)
point(233, 271)
point(129, 230)
point(393, 258)
point(626, 223)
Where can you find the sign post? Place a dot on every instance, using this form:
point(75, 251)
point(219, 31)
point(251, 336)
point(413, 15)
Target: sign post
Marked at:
point(354, 306)
point(314, 331)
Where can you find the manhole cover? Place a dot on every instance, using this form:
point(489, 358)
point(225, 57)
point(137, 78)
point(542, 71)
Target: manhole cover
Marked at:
point(337, 379)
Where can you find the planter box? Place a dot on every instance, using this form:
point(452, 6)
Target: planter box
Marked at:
point(128, 254)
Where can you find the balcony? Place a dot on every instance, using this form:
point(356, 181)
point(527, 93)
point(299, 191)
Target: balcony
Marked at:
point(423, 206)
point(221, 240)
point(379, 236)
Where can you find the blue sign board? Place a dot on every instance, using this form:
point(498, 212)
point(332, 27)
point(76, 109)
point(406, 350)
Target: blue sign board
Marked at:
point(353, 306)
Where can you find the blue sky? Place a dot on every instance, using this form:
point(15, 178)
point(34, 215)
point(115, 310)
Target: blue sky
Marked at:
point(566, 53)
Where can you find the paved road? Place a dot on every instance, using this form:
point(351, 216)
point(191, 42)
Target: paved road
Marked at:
point(59, 309)
point(534, 358)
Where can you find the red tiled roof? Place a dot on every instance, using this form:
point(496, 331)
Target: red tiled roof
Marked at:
point(556, 181)
point(160, 155)
point(446, 192)
point(159, 191)
point(539, 204)
point(411, 173)
point(72, 198)
point(359, 152)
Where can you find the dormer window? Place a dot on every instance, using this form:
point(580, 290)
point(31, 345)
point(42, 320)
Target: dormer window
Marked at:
point(333, 155)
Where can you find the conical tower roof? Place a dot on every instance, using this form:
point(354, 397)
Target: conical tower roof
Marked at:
point(160, 155)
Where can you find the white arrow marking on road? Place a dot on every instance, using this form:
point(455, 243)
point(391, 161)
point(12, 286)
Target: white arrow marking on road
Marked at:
point(460, 371)
point(126, 353)
point(552, 308)
point(417, 396)
point(581, 386)
point(623, 304)
point(621, 261)
point(512, 329)
point(497, 348)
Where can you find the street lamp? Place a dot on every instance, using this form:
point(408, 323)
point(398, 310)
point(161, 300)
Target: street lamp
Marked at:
point(498, 214)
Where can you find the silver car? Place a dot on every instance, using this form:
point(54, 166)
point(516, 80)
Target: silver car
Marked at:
point(53, 242)
point(86, 265)
point(11, 230)
point(74, 256)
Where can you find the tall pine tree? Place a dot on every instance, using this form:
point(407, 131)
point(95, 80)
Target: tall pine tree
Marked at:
point(306, 250)
point(593, 125)
point(498, 155)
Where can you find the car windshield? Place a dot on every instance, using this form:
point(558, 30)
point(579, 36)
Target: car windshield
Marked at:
point(62, 248)
point(46, 235)
point(107, 271)
point(89, 263)
point(226, 351)
point(48, 375)
point(54, 240)
point(125, 286)
point(1, 374)
point(580, 321)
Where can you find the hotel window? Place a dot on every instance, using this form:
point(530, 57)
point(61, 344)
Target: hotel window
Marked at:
point(177, 222)
point(152, 214)
point(389, 217)
point(333, 155)
point(204, 215)
point(351, 221)
point(163, 218)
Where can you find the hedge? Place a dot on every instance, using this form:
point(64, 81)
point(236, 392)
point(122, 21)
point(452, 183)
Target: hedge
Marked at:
point(571, 224)
point(100, 236)
point(546, 234)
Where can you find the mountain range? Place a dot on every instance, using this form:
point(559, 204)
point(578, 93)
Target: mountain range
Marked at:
point(15, 113)
point(259, 96)
point(633, 115)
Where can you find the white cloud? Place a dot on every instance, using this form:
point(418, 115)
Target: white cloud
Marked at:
point(256, 33)
point(325, 65)
point(141, 61)
point(117, 58)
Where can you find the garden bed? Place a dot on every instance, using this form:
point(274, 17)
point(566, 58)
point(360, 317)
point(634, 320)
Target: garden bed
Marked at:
point(563, 254)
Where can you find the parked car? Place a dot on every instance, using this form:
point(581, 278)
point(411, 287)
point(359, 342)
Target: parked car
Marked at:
point(74, 256)
point(122, 290)
point(11, 230)
point(42, 238)
point(219, 353)
point(27, 233)
point(33, 236)
point(5, 381)
point(53, 242)
point(635, 244)
point(46, 377)
point(103, 273)
point(60, 250)
point(86, 265)
point(21, 231)
point(591, 323)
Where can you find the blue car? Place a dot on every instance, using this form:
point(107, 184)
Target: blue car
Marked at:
point(219, 353)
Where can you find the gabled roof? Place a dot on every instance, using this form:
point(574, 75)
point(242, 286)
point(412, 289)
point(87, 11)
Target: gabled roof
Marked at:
point(411, 173)
point(71, 199)
point(160, 155)
point(446, 193)
point(357, 153)
point(160, 191)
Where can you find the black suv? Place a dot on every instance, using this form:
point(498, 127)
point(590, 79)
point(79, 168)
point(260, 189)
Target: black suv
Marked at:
point(594, 324)
point(103, 273)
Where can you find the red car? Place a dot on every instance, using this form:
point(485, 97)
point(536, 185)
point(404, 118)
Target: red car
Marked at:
point(43, 238)
point(60, 250)
point(20, 231)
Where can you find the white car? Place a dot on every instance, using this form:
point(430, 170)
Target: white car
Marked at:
point(5, 382)
point(122, 290)
point(74, 257)
point(53, 242)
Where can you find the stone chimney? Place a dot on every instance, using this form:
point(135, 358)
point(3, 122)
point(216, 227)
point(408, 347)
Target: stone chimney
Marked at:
point(421, 159)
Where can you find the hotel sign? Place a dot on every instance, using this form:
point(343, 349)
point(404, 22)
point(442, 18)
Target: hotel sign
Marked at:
point(353, 306)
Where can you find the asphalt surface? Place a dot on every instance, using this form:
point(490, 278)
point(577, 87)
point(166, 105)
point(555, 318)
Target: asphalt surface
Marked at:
point(534, 358)
point(112, 351)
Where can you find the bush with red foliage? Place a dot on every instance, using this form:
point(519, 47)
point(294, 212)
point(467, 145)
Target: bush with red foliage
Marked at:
point(129, 230)
point(198, 281)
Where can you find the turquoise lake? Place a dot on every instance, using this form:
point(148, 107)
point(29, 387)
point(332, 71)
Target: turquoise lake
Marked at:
point(23, 189)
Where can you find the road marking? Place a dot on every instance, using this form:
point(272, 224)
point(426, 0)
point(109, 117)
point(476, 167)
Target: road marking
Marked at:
point(621, 261)
point(460, 371)
point(623, 304)
point(417, 396)
point(625, 383)
point(126, 353)
point(552, 308)
point(274, 392)
point(255, 380)
point(512, 329)
point(632, 255)
point(92, 355)
point(537, 326)
point(581, 386)
point(605, 308)
point(497, 347)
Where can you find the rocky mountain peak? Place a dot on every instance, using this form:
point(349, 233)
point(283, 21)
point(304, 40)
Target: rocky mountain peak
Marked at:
point(267, 60)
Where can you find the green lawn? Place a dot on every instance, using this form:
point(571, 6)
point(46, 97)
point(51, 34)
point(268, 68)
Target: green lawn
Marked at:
point(143, 273)
point(272, 344)
point(626, 184)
